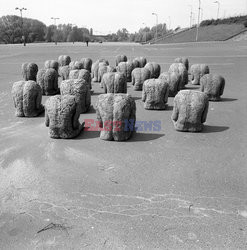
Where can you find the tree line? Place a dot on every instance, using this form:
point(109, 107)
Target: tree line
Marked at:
point(143, 35)
point(13, 29)
point(229, 20)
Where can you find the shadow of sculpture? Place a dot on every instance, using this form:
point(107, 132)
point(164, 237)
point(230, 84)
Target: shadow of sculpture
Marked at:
point(91, 110)
point(35, 117)
point(168, 107)
point(214, 129)
point(192, 87)
point(88, 135)
point(225, 99)
point(97, 93)
point(136, 98)
point(138, 136)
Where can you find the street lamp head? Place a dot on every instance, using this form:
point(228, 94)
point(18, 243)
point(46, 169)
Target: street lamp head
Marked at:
point(23, 33)
point(21, 9)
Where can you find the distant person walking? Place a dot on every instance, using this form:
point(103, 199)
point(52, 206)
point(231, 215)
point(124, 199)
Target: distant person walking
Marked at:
point(87, 42)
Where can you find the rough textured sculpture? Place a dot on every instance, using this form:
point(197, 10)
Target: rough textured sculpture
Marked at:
point(139, 75)
point(29, 71)
point(154, 69)
point(75, 65)
point(136, 63)
point(81, 74)
point(190, 110)
point(103, 60)
point(173, 79)
point(184, 61)
point(197, 71)
point(116, 114)
point(95, 69)
point(64, 72)
point(180, 69)
point(121, 58)
point(213, 85)
point(111, 69)
point(62, 117)
point(64, 60)
point(155, 94)
point(48, 81)
point(114, 82)
point(78, 88)
point(27, 96)
point(87, 63)
point(126, 68)
point(51, 64)
point(74, 74)
point(139, 62)
point(102, 70)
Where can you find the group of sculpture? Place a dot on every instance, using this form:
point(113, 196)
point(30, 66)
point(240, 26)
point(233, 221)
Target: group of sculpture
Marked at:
point(63, 108)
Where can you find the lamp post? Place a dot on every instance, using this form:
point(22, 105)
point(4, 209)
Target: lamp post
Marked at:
point(218, 10)
point(193, 18)
point(55, 23)
point(198, 22)
point(169, 19)
point(145, 32)
point(22, 28)
point(191, 15)
point(156, 24)
point(201, 14)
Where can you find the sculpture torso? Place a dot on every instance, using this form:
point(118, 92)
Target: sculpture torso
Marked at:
point(27, 96)
point(213, 86)
point(62, 116)
point(155, 94)
point(114, 82)
point(116, 109)
point(79, 89)
point(139, 75)
point(190, 110)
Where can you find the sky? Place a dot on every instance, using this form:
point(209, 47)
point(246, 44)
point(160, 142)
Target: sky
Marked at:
point(107, 16)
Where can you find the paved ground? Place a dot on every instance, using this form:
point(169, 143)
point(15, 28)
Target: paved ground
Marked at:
point(160, 190)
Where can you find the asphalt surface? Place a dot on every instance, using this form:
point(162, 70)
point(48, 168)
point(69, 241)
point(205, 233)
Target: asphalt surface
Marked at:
point(160, 190)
